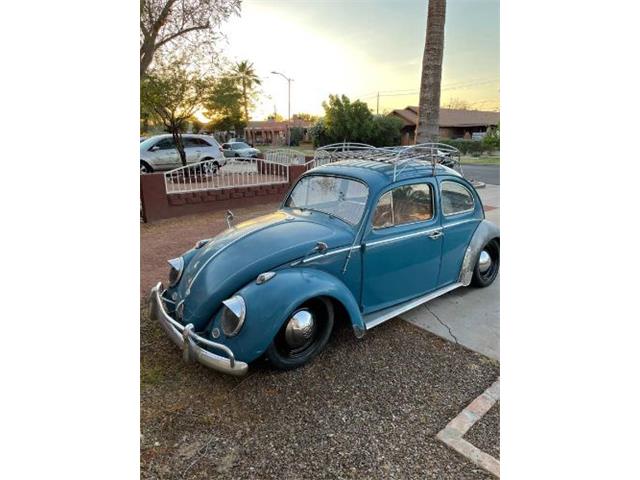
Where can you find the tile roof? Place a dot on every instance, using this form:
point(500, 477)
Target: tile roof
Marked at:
point(451, 117)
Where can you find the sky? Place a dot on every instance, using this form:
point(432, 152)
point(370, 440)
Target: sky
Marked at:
point(362, 47)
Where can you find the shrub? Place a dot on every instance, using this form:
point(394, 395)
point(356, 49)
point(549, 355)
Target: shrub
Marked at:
point(297, 134)
point(385, 131)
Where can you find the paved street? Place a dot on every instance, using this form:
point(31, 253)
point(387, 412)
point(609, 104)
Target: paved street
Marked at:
point(489, 174)
point(468, 316)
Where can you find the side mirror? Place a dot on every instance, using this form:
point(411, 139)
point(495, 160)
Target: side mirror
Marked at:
point(155, 148)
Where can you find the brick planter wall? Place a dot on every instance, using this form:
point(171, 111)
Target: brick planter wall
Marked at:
point(158, 205)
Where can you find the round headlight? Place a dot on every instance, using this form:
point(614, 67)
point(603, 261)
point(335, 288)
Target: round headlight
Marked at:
point(175, 272)
point(233, 313)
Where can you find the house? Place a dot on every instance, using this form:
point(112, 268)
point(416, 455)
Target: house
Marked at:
point(270, 132)
point(454, 123)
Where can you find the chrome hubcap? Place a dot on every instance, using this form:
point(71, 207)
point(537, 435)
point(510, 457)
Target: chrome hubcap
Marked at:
point(299, 329)
point(484, 262)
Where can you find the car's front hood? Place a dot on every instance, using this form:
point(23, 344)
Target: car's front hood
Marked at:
point(238, 255)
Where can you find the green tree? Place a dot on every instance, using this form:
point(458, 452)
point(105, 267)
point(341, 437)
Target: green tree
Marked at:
point(247, 79)
point(223, 104)
point(276, 117)
point(172, 93)
point(491, 140)
point(170, 22)
point(305, 117)
point(385, 131)
point(347, 121)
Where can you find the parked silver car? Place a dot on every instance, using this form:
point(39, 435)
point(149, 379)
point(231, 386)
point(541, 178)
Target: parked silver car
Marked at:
point(239, 149)
point(160, 153)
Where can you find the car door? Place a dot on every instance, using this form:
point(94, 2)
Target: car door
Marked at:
point(402, 249)
point(192, 149)
point(461, 213)
point(166, 154)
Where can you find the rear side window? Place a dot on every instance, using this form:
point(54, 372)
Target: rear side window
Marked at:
point(402, 205)
point(456, 198)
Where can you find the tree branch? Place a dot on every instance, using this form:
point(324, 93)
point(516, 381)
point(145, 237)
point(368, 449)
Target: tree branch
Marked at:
point(180, 33)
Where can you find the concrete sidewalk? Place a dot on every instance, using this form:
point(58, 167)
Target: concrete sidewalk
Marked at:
point(468, 316)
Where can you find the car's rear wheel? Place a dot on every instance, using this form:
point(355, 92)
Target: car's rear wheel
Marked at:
point(211, 167)
point(303, 335)
point(145, 167)
point(487, 266)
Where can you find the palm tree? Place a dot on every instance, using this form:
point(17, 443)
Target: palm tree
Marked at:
point(429, 109)
point(245, 74)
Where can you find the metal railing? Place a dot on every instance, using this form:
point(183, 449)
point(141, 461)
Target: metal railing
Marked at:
point(285, 156)
point(225, 173)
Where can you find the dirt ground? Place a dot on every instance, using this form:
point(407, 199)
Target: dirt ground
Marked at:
point(366, 408)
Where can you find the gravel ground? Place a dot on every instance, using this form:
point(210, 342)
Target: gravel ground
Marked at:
point(365, 408)
point(485, 434)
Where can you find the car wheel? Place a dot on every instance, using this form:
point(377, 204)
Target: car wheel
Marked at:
point(210, 167)
point(303, 335)
point(487, 266)
point(145, 168)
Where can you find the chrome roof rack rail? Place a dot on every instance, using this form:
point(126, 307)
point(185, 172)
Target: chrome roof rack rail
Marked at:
point(399, 156)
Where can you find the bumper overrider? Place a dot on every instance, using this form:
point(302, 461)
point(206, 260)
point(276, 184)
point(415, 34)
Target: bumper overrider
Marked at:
point(190, 343)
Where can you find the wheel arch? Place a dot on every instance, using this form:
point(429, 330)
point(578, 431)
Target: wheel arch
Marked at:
point(485, 232)
point(272, 302)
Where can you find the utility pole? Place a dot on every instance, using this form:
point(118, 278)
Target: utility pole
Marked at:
point(378, 103)
point(289, 80)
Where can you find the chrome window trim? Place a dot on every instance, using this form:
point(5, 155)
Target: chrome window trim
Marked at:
point(460, 222)
point(461, 212)
point(402, 237)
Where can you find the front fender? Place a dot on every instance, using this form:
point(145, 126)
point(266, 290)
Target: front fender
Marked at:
point(485, 232)
point(271, 303)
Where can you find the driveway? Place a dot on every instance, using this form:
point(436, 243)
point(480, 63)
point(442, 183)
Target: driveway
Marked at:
point(468, 316)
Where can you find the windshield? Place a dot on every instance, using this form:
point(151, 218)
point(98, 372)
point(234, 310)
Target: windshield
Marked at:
point(337, 196)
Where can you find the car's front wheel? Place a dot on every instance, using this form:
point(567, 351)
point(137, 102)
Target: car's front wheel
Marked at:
point(487, 266)
point(145, 168)
point(303, 335)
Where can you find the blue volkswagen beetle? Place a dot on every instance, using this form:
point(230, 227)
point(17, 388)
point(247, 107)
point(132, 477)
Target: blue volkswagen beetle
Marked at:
point(367, 237)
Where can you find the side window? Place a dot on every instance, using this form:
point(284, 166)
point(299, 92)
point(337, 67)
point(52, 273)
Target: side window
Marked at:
point(455, 198)
point(202, 142)
point(166, 144)
point(190, 142)
point(406, 204)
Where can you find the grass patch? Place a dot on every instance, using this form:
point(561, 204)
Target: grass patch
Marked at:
point(482, 160)
point(151, 375)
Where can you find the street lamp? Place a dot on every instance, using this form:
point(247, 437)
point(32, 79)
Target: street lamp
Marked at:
point(289, 80)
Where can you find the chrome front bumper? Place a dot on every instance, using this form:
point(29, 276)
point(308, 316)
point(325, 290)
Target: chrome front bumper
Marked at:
point(185, 338)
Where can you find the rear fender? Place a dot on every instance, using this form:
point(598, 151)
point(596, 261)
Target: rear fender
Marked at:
point(485, 232)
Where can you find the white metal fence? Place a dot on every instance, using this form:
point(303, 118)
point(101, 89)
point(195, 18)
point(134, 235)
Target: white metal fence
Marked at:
point(285, 157)
point(234, 173)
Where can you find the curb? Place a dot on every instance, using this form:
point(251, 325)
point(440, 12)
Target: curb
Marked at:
point(452, 434)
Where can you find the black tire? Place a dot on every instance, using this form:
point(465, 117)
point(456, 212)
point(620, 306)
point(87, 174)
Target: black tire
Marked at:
point(145, 168)
point(285, 357)
point(212, 166)
point(485, 278)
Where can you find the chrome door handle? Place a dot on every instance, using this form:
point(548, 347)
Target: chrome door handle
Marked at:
point(435, 235)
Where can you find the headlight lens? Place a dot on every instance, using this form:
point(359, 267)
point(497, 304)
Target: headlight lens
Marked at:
point(175, 272)
point(234, 311)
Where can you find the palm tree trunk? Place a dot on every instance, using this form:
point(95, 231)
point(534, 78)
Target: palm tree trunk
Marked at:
point(429, 109)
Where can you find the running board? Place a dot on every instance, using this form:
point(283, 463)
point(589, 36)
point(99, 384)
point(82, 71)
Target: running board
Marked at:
point(376, 318)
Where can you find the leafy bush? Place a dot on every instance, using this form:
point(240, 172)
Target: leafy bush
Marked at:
point(297, 134)
point(347, 121)
point(466, 147)
point(491, 141)
point(385, 131)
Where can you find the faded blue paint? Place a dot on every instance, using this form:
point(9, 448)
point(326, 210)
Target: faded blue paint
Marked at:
point(377, 275)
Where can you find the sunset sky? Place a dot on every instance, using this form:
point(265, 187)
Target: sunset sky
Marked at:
point(360, 47)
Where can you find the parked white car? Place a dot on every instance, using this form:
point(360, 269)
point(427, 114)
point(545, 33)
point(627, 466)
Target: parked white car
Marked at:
point(160, 153)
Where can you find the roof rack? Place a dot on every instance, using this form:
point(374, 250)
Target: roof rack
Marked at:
point(399, 156)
